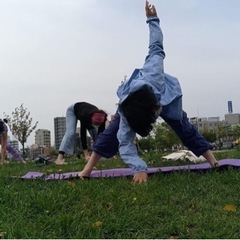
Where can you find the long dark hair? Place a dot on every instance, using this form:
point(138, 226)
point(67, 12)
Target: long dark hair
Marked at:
point(139, 109)
point(2, 123)
point(1, 126)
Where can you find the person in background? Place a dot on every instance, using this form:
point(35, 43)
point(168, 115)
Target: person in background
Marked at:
point(6, 146)
point(148, 94)
point(91, 118)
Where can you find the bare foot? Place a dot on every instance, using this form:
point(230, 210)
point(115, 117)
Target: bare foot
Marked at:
point(60, 162)
point(24, 162)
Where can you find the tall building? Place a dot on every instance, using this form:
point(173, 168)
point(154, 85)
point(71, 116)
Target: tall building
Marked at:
point(43, 138)
point(232, 118)
point(210, 124)
point(59, 130)
point(230, 107)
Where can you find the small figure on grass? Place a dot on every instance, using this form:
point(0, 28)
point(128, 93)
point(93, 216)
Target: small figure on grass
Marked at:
point(91, 118)
point(6, 146)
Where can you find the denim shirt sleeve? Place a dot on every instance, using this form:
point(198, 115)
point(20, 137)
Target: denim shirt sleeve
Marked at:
point(127, 149)
point(153, 68)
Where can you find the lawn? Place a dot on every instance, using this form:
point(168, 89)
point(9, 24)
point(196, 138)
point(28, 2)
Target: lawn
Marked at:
point(177, 205)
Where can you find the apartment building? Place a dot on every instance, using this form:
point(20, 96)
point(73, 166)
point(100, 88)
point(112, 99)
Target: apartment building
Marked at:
point(59, 130)
point(210, 124)
point(43, 138)
point(232, 118)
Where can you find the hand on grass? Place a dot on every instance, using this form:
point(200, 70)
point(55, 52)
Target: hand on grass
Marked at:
point(140, 177)
point(216, 164)
point(83, 176)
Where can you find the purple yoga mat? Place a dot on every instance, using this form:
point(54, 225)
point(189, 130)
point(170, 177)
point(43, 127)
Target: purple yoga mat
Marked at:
point(122, 172)
point(32, 175)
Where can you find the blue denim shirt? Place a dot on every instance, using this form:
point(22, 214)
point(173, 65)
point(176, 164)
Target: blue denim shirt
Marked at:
point(165, 87)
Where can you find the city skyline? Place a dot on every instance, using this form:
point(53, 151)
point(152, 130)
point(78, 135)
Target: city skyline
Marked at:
point(58, 122)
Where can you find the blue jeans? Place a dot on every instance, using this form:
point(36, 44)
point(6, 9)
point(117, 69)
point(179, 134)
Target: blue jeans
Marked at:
point(106, 144)
point(67, 144)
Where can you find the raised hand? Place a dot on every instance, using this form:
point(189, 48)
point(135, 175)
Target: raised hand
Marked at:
point(150, 10)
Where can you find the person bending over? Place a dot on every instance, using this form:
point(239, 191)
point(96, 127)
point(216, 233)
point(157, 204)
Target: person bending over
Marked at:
point(6, 146)
point(91, 118)
point(149, 93)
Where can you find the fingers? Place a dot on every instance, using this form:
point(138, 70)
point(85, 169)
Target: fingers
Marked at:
point(153, 9)
point(139, 181)
point(148, 6)
point(216, 164)
point(140, 178)
point(82, 177)
point(150, 9)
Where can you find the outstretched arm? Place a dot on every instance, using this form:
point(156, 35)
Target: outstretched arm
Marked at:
point(153, 68)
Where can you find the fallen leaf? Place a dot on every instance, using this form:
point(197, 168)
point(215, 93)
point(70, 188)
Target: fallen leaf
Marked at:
point(230, 208)
point(71, 184)
point(193, 207)
point(134, 200)
point(109, 206)
point(97, 224)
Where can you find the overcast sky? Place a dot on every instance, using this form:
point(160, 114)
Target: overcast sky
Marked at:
point(57, 52)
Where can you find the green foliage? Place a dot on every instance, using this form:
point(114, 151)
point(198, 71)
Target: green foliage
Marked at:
point(165, 136)
point(21, 124)
point(162, 137)
point(209, 135)
point(182, 205)
point(234, 130)
point(147, 143)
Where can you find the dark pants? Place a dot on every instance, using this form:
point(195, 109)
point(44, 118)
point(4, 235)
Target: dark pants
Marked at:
point(189, 135)
point(106, 144)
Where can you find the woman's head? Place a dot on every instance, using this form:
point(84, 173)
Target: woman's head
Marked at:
point(140, 109)
point(98, 117)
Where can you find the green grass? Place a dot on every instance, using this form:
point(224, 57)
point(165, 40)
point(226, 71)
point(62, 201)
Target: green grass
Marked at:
point(178, 205)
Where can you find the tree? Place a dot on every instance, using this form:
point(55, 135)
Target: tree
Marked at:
point(210, 136)
point(147, 143)
point(21, 124)
point(234, 130)
point(164, 135)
